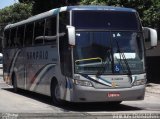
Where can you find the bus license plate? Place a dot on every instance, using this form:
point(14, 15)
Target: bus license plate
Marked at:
point(113, 94)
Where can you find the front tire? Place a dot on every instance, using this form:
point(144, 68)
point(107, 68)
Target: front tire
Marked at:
point(14, 83)
point(55, 93)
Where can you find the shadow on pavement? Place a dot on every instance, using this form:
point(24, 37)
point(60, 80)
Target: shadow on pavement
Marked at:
point(91, 107)
point(78, 107)
point(32, 95)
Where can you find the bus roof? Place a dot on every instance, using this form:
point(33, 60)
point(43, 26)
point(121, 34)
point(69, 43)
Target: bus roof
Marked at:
point(68, 8)
point(90, 7)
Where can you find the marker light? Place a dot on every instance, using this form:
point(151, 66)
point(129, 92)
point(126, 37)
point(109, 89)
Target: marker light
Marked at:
point(139, 82)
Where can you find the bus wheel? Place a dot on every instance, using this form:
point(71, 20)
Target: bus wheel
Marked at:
point(14, 83)
point(55, 93)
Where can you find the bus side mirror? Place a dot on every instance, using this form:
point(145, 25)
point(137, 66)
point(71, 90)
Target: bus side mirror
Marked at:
point(150, 35)
point(71, 35)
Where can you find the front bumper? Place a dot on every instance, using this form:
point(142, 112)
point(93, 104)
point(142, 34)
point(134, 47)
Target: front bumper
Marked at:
point(90, 94)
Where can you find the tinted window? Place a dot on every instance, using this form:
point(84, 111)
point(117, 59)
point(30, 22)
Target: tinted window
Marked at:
point(13, 38)
point(50, 30)
point(65, 52)
point(65, 56)
point(39, 32)
point(20, 36)
point(6, 36)
point(29, 34)
point(105, 20)
point(63, 21)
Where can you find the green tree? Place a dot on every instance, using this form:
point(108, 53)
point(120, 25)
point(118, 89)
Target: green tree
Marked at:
point(151, 16)
point(40, 6)
point(15, 13)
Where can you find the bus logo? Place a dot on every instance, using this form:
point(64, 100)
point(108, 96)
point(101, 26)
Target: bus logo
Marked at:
point(114, 84)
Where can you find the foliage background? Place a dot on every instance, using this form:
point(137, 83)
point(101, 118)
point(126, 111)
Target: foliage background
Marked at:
point(15, 13)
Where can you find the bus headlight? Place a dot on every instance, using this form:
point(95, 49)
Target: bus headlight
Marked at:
point(83, 83)
point(139, 82)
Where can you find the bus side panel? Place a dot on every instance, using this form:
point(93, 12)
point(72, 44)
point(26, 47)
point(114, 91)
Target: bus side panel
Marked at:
point(19, 69)
point(40, 67)
point(7, 58)
point(13, 64)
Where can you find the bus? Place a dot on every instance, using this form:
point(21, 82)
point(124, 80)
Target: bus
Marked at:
point(78, 54)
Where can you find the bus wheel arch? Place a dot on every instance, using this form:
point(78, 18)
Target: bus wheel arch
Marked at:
point(14, 82)
point(55, 92)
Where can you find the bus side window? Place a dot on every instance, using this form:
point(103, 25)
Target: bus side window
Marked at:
point(63, 22)
point(6, 38)
point(13, 37)
point(50, 29)
point(39, 32)
point(65, 52)
point(29, 34)
point(20, 36)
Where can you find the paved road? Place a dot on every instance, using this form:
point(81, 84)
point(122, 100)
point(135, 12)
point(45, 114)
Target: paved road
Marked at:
point(25, 104)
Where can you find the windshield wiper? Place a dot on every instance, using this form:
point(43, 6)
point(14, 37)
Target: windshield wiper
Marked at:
point(121, 53)
point(102, 68)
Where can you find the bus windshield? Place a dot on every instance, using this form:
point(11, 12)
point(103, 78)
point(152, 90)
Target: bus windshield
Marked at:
point(108, 50)
point(110, 20)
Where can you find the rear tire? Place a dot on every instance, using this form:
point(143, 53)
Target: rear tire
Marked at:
point(55, 93)
point(14, 83)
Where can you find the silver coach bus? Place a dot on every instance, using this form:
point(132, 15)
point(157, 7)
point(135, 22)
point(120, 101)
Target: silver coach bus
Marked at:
point(78, 54)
